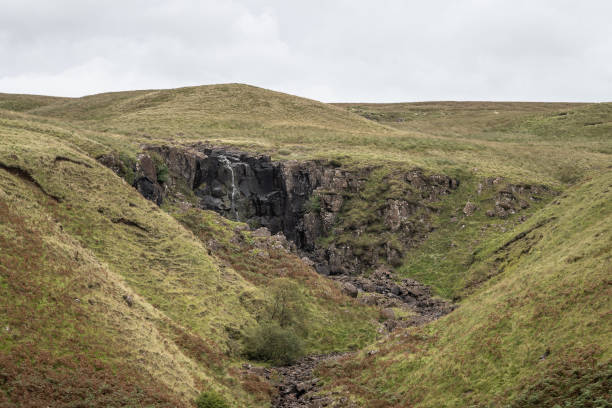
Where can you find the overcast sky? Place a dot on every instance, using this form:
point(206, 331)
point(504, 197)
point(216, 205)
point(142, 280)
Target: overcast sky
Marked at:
point(329, 50)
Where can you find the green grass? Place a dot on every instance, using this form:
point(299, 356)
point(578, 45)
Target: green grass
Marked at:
point(517, 142)
point(22, 103)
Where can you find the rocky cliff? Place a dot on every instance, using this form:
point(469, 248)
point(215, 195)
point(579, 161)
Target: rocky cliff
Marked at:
point(306, 200)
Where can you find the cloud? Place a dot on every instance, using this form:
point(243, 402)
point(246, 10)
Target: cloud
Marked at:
point(328, 50)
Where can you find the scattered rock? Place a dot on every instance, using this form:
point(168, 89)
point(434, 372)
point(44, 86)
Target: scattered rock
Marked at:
point(382, 289)
point(512, 198)
point(297, 387)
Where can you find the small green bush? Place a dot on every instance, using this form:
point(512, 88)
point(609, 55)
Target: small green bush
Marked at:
point(336, 162)
point(286, 306)
point(568, 174)
point(313, 205)
point(162, 173)
point(127, 165)
point(211, 399)
point(272, 343)
point(160, 167)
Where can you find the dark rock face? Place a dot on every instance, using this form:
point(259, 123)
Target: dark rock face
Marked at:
point(302, 200)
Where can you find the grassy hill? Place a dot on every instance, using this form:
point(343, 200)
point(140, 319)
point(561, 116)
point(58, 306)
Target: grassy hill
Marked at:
point(24, 103)
point(523, 141)
point(76, 241)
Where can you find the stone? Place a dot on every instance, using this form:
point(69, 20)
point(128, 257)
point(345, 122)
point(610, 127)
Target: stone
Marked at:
point(129, 299)
point(307, 261)
point(500, 212)
point(369, 300)
point(350, 289)
point(504, 203)
point(150, 190)
point(261, 232)
point(387, 313)
point(145, 167)
point(469, 208)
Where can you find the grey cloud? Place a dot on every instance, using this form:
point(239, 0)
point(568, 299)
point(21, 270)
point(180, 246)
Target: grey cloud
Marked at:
point(328, 50)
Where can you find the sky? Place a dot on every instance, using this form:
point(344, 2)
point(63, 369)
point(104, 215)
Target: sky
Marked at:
point(329, 50)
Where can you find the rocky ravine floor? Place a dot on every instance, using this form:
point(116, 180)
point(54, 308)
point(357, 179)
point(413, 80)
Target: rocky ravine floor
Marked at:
point(298, 387)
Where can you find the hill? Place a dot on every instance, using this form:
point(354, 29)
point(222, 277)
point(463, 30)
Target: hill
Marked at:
point(120, 287)
point(517, 140)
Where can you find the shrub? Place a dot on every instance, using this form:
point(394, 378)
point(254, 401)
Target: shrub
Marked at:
point(273, 343)
point(569, 174)
point(160, 167)
point(127, 165)
point(210, 399)
point(277, 338)
point(286, 305)
point(336, 162)
point(162, 173)
point(313, 205)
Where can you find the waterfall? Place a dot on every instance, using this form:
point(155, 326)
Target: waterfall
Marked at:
point(228, 165)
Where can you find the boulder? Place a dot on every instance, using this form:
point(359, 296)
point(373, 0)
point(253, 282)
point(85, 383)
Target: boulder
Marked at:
point(129, 299)
point(261, 232)
point(350, 289)
point(387, 313)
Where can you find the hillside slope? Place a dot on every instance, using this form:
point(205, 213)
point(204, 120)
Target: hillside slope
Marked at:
point(535, 335)
point(105, 275)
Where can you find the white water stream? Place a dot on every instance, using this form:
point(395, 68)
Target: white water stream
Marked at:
point(228, 165)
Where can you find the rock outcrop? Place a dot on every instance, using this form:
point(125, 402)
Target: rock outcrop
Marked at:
point(302, 200)
point(511, 198)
